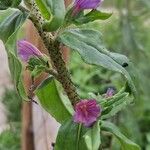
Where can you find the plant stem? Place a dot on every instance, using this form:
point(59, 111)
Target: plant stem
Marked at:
point(78, 135)
point(21, 8)
point(53, 48)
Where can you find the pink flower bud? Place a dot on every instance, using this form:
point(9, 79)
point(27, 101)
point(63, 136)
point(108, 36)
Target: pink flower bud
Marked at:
point(26, 50)
point(85, 4)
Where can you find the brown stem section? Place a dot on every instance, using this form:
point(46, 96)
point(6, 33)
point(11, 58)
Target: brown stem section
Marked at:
point(53, 48)
point(27, 130)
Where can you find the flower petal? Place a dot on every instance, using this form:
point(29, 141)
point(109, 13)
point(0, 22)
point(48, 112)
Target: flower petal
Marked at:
point(86, 4)
point(27, 50)
point(87, 112)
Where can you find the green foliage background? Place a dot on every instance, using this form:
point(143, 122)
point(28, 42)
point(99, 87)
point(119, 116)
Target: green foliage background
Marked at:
point(10, 139)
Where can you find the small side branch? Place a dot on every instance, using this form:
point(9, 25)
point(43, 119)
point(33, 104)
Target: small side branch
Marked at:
point(52, 72)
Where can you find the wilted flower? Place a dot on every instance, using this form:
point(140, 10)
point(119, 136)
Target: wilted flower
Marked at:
point(80, 5)
point(26, 50)
point(110, 92)
point(87, 112)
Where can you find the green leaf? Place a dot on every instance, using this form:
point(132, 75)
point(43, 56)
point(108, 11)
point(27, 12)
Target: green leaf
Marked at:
point(37, 65)
point(115, 105)
point(4, 4)
point(10, 22)
point(92, 137)
point(148, 137)
point(51, 101)
point(89, 45)
point(15, 67)
point(111, 100)
point(45, 10)
point(58, 12)
point(37, 71)
point(70, 137)
point(76, 137)
point(15, 3)
point(148, 147)
point(92, 16)
point(126, 144)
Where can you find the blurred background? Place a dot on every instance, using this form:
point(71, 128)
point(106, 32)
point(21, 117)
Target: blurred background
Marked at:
point(126, 32)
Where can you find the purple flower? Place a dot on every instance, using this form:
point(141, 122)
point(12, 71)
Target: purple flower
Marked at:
point(87, 112)
point(26, 50)
point(110, 92)
point(80, 5)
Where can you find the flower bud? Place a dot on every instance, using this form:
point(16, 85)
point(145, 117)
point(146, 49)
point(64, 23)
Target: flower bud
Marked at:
point(80, 5)
point(26, 50)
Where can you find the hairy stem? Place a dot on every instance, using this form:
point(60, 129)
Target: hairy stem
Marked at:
point(53, 48)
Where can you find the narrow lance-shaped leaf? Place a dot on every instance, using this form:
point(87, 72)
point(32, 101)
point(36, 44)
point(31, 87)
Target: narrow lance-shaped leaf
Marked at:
point(126, 144)
point(92, 16)
point(10, 22)
point(89, 45)
point(116, 104)
point(15, 67)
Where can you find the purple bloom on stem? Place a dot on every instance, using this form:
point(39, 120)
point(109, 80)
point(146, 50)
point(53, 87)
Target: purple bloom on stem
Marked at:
point(110, 92)
point(87, 112)
point(85, 4)
point(26, 50)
